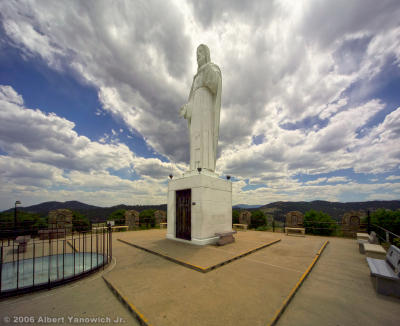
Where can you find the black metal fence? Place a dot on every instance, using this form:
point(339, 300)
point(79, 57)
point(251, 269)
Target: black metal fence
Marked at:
point(29, 262)
point(385, 236)
point(335, 228)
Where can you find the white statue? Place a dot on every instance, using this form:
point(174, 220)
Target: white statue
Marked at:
point(202, 112)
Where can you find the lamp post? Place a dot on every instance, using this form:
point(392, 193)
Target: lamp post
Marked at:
point(15, 214)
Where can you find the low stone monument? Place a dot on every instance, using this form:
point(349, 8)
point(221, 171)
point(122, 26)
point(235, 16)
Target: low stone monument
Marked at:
point(245, 217)
point(132, 219)
point(160, 216)
point(351, 222)
point(294, 219)
point(60, 219)
point(199, 202)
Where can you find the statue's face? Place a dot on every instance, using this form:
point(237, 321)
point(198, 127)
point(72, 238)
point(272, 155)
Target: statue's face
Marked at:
point(201, 57)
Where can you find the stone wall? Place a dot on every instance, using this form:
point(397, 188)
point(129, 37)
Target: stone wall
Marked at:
point(60, 219)
point(160, 216)
point(132, 219)
point(294, 219)
point(245, 217)
point(351, 222)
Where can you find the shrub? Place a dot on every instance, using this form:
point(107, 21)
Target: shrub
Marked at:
point(118, 217)
point(235, 217)
point(318, 223)
point(80, 222)
point(390, 220)
point(257, 219)
point(146, 218)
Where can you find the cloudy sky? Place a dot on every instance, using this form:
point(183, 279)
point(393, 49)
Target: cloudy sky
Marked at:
point(90, 93)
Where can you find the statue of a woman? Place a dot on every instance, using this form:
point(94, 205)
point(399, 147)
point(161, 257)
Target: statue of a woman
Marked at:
point(202, 112)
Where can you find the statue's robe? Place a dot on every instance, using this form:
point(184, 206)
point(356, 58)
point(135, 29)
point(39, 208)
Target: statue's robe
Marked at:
point(203, 113)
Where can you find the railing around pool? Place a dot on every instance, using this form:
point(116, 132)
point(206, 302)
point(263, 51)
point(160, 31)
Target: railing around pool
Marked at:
point(57, 257)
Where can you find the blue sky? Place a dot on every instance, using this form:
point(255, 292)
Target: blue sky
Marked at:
point(90, 95)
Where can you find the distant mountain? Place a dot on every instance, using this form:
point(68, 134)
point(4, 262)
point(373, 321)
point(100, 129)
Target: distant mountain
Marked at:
point(277, 209)
point(244, 206)
point(50, 205)
point(94, 213)
point(334, 209)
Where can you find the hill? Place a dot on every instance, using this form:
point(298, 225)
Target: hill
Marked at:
point(276, 209)
point(94, 213)
point(244, 206)
point(334, 209)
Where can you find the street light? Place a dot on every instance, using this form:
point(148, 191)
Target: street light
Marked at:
point(15, 214)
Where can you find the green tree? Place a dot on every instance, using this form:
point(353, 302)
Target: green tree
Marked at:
point(146, 218)
point(318, 223)
point(388, 219)
point(118, 216)
point(235, 217)
point(27, 223)
point(80, 222)
point(257, 219)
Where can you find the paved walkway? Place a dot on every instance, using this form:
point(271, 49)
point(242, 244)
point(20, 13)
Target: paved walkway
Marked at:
point(339, 291)
point(247, 291)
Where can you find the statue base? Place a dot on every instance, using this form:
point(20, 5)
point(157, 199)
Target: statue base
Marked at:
point(199, 206)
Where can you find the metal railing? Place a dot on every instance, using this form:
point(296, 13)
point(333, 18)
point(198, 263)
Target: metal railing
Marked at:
point(57, 257)
point(336, 228)
point(385, 235)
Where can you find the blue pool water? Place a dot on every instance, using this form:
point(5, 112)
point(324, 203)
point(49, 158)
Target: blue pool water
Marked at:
point(55, 267)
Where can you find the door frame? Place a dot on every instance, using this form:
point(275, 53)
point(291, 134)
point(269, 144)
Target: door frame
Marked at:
point(180, 231)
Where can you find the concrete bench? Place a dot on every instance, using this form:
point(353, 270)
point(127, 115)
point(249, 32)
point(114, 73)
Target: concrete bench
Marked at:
point(163, 225)
point(372, 238)
point(240, 226)
point(295, 231)
point(362, 236)
point(386, 273)
point(225, 238)
point(374, 251)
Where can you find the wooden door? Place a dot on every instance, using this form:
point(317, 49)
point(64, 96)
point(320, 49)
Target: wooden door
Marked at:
point(183, 214)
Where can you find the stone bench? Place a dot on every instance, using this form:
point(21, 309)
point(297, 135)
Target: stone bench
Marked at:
point(225, 238)
point(240, 226)
point(372, 238)
point(362, 236)
point(374, 251)
point(295, 231)
point(163, 225)
point(386, 273)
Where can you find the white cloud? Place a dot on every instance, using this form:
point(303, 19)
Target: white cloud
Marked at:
point(315, 182)
point(337, 179)
point(393, 177)
point(49, 160)
point(298, 84)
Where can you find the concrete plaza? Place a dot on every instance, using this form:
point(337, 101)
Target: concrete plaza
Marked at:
point(244, 291)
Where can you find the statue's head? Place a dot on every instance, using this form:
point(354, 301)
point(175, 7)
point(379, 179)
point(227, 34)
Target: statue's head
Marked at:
point(203, 55)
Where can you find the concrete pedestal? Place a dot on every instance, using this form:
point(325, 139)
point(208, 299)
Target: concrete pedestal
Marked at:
point(211, 209)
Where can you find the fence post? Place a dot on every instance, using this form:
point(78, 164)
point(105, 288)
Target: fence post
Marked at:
point(368, 222)
point(17, 267)
point(110, 241)
point(1, 265)
point(273, 225)
point(33, 264)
